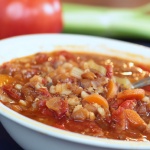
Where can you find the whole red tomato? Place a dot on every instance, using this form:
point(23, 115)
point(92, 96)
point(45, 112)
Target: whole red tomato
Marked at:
point(19, 17)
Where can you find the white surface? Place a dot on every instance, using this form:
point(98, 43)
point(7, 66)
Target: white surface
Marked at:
point(32, 135)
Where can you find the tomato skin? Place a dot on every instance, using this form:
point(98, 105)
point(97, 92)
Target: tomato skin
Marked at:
point(19, 17)
point(119, 118)
point(67, 55)
point(12, 92)
point(129, 104)
point(109, 72)
point(147, 88)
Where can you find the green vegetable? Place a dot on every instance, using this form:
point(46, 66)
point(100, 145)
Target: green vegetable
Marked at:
point(112, 22)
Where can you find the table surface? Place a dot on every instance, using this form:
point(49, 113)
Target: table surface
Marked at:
point(7, 143)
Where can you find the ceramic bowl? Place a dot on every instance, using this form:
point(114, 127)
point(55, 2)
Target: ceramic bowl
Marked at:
point(32, 135)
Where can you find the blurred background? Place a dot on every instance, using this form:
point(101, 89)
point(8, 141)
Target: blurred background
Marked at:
point(124, 20)
point(110, 18)
point(127, 20)
point(111, 3)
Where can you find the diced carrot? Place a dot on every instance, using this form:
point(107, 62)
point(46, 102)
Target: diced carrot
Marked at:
point(96, 98)
point(5, 79)
point(131, 94)
point(112, 90)
point(134, 118)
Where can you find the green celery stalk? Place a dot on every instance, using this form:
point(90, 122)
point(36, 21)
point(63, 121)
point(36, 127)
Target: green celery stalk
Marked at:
point(104, 21)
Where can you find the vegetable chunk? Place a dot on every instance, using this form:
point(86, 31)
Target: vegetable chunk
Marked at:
point(95, 98)
point(131, 94)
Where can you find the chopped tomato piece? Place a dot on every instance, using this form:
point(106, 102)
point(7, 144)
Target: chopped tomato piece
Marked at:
point(66, 54)
point(43, 109)
point(147, 88)
point(109, 72)
point(41, 58)
point(119, 119)
point(43, 92)
point(57, 105)
point(12, 92)
point(129, 104)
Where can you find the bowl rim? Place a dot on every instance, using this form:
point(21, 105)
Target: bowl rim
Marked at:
point(70, 136)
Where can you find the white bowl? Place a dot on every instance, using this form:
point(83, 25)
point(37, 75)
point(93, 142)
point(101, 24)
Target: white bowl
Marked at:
point(32, 135)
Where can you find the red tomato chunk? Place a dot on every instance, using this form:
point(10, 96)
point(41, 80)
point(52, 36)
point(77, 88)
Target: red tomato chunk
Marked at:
point(84, 93)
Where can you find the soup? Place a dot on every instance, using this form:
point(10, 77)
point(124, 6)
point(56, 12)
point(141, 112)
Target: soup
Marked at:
point(86, 93)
